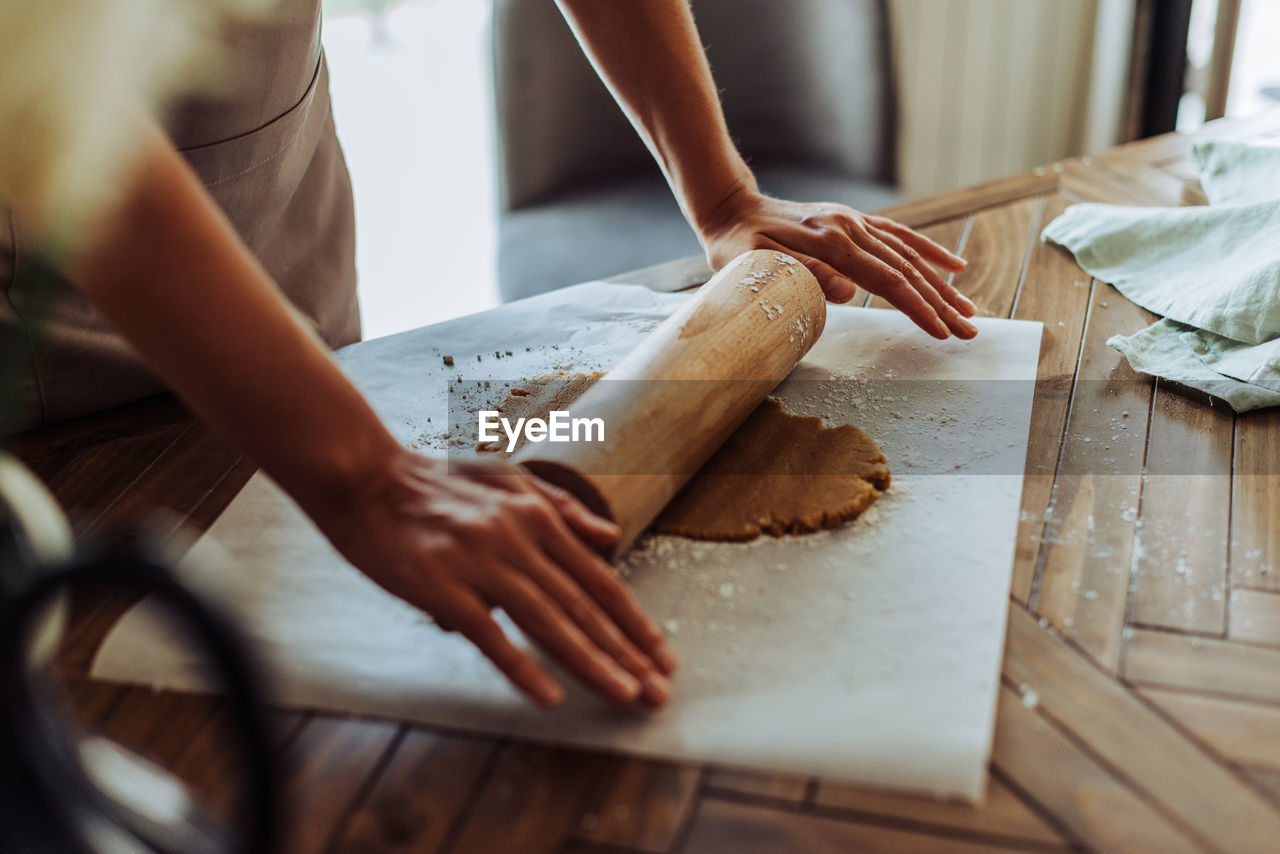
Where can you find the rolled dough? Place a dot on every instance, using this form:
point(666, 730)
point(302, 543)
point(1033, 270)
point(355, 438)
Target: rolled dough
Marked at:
point(777, 474)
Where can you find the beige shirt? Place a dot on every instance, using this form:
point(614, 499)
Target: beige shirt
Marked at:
point(268, 154)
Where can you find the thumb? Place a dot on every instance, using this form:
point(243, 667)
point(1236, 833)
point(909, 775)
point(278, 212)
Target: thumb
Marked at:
point(837, 286)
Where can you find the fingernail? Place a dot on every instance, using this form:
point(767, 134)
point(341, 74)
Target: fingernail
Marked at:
point(940, 329)
point(550, 692)
point(665, 657)
point(656, 689)
point(628, 685)
point(968, 327)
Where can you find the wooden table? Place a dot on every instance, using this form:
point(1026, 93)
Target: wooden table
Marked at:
point(1140, 704)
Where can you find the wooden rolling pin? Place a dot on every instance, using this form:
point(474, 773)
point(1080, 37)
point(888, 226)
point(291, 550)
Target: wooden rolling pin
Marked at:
point(674, 400)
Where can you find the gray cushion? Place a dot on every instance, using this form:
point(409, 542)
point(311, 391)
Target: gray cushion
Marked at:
point(805, 87)
point(624, 225)
point(802, 81)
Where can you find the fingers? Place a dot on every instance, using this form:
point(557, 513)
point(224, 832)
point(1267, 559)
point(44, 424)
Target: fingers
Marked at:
point(836, 286)
point(590, 591)
point(900, 257)
point(469, 617)
point(569, 553)
point(599, 532)
point(957, 300)
point(932, 252)
point(884, 280)
point(602, 631)
point(605, 588)
point(859, 255)
point(587, 590)
point(537, 585)
point(545, 622)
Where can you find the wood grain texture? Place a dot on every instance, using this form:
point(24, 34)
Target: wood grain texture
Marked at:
point(1056, 292)
point(1002, 814)
point(1255, 617)
point(1181, 167)
point(1203, 664)
point(99, 477)
point(1154, 185)
point(102, 474)
point(999, 243)
point(1088, 801)
point(1243, 733)
point(46, 468)
point(1188, 784)
point(609, 814)
point(77, 434)
point(725, 826)
point(418, 797)
point(180, 480)
point(343, 753)
point(1265, 780)
point(778, 787)
point(1082, 581)
point(1255, 502)
point(528, 803)
point(1180, 569)
point(208, 767)
point(1089, 184)
point(90, 701)
point(157, 724)
point(921, 212)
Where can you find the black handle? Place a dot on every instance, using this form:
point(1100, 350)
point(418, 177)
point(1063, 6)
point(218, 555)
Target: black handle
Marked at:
point(39, 742)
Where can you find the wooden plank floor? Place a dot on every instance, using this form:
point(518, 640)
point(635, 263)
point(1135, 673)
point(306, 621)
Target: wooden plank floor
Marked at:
point(1140, 705)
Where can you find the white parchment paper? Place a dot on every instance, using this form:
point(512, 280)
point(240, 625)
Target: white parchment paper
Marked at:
point(870, 653)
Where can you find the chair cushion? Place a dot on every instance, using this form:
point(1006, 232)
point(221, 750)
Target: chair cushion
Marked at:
point(624, 225)
point(801, 81)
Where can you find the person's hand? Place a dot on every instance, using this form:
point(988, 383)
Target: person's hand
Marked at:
point(460, 539)
point(845, 249)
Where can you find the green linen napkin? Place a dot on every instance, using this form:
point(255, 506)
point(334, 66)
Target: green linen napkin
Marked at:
point(1212, 272)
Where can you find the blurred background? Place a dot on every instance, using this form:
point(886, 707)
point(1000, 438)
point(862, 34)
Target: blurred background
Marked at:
point(982, 89)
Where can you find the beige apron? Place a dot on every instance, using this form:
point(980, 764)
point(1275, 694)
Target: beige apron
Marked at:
point(268, 154)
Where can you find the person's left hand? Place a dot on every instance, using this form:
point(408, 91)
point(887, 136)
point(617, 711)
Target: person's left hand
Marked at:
point(846, 249)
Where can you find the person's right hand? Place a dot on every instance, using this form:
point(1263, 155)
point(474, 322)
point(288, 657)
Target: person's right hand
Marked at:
point(459, 543)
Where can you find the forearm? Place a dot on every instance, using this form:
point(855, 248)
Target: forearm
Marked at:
point(649, 54)
point(172, 277)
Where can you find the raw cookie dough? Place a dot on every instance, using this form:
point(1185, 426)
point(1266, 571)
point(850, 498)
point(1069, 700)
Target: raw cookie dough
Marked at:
point(778, 474)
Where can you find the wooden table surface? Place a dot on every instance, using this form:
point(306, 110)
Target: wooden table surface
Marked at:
point(1140, 703)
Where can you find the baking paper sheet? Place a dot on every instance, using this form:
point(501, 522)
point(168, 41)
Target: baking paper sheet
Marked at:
point(870, 653)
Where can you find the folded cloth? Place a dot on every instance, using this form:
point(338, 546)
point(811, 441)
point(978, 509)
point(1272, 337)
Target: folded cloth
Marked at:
point(1213, 272)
